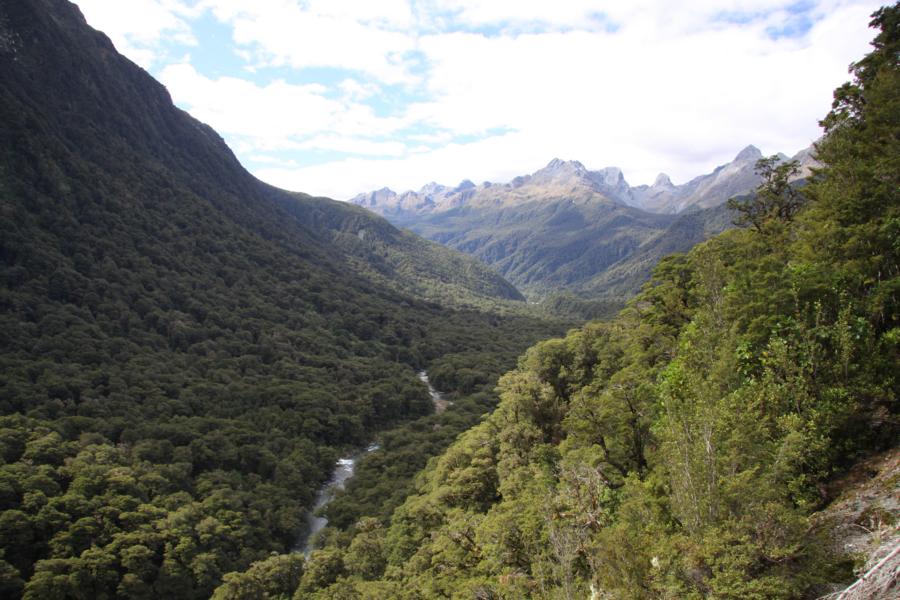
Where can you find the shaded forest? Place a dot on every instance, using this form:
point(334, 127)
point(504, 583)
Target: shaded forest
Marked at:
point(186, 351)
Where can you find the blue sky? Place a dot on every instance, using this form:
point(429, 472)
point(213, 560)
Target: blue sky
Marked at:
point(337, 97)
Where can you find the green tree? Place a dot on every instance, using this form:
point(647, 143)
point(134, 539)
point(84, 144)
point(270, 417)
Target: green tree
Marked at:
point(366, 554)
point(853, 227)
point(275, 578)
point(775, 200)
point(323, 568)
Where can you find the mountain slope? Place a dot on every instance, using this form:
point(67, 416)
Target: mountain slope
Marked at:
point(400, 259)
point(705, 191)
point(185, 350)
point(687, 230)
point(553, 230)
point(83, 98)
point(736, 178)
point(562, 228)
point(686, 448)
point(546, 242)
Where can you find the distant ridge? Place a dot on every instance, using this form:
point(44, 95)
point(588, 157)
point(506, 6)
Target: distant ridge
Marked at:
point(565, 228)
point(704, 191)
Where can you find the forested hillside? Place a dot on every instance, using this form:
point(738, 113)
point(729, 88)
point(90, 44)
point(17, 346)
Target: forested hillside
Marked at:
point(402, 260)
point(184, 350)
point(680, 450)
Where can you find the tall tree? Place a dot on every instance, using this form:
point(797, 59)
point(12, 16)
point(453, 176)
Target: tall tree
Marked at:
point(854, 224)
point(776, 199)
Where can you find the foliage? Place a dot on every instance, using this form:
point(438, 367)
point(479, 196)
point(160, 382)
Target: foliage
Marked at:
point(403, 261)
point(775, 200)
point(681, 449)
point(185, 351)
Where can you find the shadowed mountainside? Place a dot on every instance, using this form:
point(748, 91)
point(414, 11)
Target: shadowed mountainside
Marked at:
point(186, 350)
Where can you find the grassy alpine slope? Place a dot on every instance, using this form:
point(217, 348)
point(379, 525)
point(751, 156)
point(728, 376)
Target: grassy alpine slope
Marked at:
point(681, 449)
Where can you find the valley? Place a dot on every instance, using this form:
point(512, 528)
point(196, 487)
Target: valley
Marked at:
point(180, 338)
point(563, 386)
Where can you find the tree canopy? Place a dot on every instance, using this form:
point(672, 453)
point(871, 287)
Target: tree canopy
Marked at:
point(681, 449)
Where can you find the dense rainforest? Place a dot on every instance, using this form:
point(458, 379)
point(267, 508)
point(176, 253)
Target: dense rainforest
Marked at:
point(681, 449)
point(185, 351)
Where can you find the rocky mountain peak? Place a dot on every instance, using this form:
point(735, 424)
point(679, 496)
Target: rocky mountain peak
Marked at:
point(558, 165)
point(750, 153)
point(375, 198)
point(662, 180)
point(558, 171)
point(572, 177)
point(611, 176)
point(432, 188)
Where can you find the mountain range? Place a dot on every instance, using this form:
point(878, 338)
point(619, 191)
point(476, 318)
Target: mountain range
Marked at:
point(565, 228)
point(186, 353)
point(573, 178)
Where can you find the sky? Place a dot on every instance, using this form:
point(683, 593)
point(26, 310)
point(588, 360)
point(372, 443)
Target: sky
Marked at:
point(338, 97)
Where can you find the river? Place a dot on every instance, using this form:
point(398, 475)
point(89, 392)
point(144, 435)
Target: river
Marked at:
point(343, 470)
point(440, 403)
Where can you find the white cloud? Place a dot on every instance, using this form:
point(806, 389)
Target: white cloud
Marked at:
point(478, 13)
point(271, 160)
point(354, 90)
point(273, 112)
point(353, 145)
point(498, 158)
point(645, 98)
point(681, 104)
point(665, 16)
point(280, 116)
point(676, 86)
point(137, 27)
point(323, 34)
point(395, 14)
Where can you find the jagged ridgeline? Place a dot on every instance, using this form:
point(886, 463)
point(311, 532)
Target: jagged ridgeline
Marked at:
point(682, 449)
point(184, 350)
point(578, 240)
